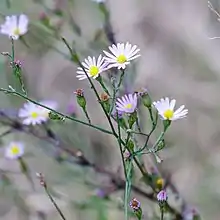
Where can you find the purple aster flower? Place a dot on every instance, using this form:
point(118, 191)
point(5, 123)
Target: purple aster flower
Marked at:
point(189, 213)
point(100, 193)
point(127, 103)
point(162, 196)
point(135, 204)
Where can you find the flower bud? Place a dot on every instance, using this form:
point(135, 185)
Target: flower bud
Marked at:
point(136, 206)
point(132, 119)
point(130, 145)
point(162, 196)
point(80, 98)
point(105, 101)
point(45, 20)
point(146, 100)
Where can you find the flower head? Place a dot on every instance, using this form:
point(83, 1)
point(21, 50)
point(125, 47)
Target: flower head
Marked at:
point(15, 26)
point(33, 114)
point(127, 103)
point(165, 108)
point(92, 67)
point(160, 182)
point(104, 97)
point(14, 150)
point(162, 196)
point(121, 55)
point(135, 204)
point(190, 213)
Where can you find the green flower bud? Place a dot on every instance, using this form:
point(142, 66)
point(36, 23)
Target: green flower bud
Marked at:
point(132, 119)
point(80, 98)
point(130, 145)
point(146, 100)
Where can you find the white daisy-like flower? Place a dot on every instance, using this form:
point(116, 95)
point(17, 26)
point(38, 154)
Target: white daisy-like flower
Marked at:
point(165, 108)
point(121, 55)
point(15, 26)
point(33, 114)
point(92, 67)
point(14, 150)
point(127, 103)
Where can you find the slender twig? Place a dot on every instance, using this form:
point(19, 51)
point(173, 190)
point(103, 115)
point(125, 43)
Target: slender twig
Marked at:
point(161, 214)
point(52, 110)
point(87, 115)
point(115, 90)
point(120, 146)
point(55, 204)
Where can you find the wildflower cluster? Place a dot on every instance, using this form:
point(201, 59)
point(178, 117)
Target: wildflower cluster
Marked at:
point(120, 109)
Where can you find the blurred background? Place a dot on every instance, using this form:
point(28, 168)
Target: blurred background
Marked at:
point(178, 59)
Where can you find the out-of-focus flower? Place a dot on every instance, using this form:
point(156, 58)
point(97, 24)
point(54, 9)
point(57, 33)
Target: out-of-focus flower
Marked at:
point(100, 193)
point(14, 150)
point(190, 214)
point(71, 109)
point(162, 196)
point(135, 204)
point(33, 114)
point(127, 103)
point(92, 67)
point(15, 26)
point(126, 154)
point(121, 55)
point(165, 108)
point(98, 1)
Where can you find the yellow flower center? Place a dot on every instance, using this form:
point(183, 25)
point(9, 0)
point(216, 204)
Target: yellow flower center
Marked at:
point(34, 114)
point(128, 106)
point(15, 150)
point(94, 70)
point(160, 182)
point(16, 31)
point(121, 58)
point(168, 114)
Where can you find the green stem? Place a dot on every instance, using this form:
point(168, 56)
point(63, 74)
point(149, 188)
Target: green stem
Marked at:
point(54, 203)
point(13, 50)
point(87, 115)
point(52, 110)
point(120, 146)
point(115, 91)
point(138, 125)
point(113, 97)
point(99, 79)
point(162, 214)
point(128, 188)
point(120, 80)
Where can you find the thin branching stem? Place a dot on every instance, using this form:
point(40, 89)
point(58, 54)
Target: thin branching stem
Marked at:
point(52, 110)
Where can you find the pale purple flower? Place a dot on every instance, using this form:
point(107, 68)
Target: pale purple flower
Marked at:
point(100, 193)
point(190, 213)
point(127, 103)
point(162, 196)
point(135, 204)
point(33, 114)
point(121, 55)
point(165, 108)
point(15, 26)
